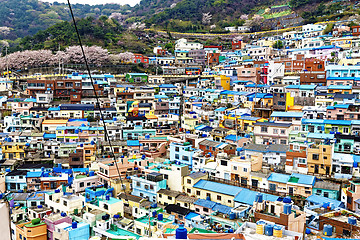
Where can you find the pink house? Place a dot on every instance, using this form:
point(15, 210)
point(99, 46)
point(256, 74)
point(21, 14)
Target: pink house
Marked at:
point(52, 221)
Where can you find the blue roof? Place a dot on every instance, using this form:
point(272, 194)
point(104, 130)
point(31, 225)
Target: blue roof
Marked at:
point(279, 177)
point(161, 96)
point(221, 109)
point(287, 114)
point(304, 179)
point(338, 122)
point(167, 86)
point(191, 215)
point(217, 187)
point(301, 87)
point(222, 208)
point(321, 135)
point(247, 196)
point(133, 143)
point(232, 137)
point(321, 200)
point(205, 203)
point(249, 118)
point(310, 121)
point(34, 174)
point(338, 106)
point(49, 136)
point(203, 128)
point(343, 87)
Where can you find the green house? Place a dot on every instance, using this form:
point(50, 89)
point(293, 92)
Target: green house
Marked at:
point(136, 77)
point(327, 189)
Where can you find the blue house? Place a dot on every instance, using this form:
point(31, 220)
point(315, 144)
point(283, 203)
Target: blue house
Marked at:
point(182, 153)
point(147, 186)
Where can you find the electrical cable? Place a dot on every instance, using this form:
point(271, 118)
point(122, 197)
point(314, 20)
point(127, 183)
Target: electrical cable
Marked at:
point(97, 100)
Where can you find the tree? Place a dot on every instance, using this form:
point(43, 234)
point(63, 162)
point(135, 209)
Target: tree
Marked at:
point(206, 18)
point(278, 44)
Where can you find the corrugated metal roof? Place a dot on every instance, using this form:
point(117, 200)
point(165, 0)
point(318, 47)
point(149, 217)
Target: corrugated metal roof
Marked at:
point(217, 187)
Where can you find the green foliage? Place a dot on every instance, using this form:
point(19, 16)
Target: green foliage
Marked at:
point(278, 44)
point(27, 17)
point(102, 32)
point(329, 28)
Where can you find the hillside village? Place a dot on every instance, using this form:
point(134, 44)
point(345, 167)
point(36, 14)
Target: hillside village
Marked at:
point(260, 141)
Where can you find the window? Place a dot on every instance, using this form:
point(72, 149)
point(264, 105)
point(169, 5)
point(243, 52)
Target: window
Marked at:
point(275, 131)
point(264, 129)
point(106, 207)
point(223, 163)
point(218, 197)
point(81, 184)
point(169, 197)
point(188, 190)
point(205, 210)
point(198, 192)
point(283, 141)
point(235, 168)
point(245, 169)
point(345, 130)
point(65, 203)
point(177, 156)
point(176, 149)
point(315, 156)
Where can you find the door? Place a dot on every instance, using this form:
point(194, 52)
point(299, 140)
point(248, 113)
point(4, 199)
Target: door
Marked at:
point(254, 183)
point(316, 168)
point(327, 170)
point(227, 176)
point(272, 187)
point(291, 191)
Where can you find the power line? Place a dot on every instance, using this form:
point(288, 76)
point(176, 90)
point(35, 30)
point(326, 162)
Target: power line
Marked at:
point(97, 99)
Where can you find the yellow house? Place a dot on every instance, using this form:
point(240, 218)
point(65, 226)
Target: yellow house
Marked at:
point(191, 179)
point(224, 81)
point(50, 125)
point(216, 192)
point(167, 197)
point(12, 150)
point(319, 158)
point(190, 123)
point(343, 42)
point(246, 123)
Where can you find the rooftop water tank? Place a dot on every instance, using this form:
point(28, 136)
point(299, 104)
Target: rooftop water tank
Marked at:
point(181, 232)
point(74, 225)
point(269, 229)
point(160, 217)
point(287, 200)
point(328, 230)
point(352, 220)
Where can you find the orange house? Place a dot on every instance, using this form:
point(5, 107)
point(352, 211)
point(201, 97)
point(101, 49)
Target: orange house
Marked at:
point(34, 230)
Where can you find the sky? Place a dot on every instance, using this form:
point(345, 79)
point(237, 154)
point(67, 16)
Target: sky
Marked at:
point(94, 2)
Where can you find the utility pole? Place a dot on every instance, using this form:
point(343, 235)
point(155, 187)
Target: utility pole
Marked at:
point(181, 108)
point(59, 61)
point(156, 64)
point(7, 63)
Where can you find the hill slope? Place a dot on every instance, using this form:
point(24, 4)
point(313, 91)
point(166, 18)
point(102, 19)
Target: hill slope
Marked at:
point(19, 18)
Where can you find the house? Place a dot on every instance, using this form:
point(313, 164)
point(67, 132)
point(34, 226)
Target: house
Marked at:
point(217, 192)
point(136, 77)
point(32, 230)
point(16, 180)
point(281, 212)
point(272, 132)
point(327, 189)
point(319, 159)
point(147, 186)
point(167, 197)
point(273, 154)
point(182, 153)
point(214, 148)
point(294, 184)
point(178, 212)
